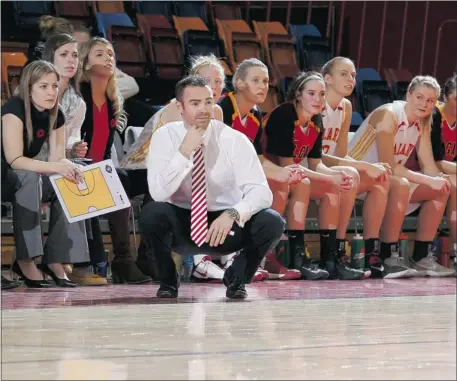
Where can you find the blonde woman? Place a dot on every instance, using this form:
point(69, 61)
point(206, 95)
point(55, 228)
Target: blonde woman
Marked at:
point(375, 184)
point(30, 118)
point(105, 114)
point(389, 135)
point(212, 71)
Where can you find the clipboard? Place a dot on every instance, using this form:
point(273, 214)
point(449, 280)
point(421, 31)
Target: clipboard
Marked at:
point(100, 193)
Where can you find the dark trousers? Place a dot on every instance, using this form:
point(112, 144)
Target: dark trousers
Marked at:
point(166, 227)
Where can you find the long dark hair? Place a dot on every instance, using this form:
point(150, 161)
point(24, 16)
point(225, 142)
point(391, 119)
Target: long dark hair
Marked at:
point(31, 74)
point(50, 47)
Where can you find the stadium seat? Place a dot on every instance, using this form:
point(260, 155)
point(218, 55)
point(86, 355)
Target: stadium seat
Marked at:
point(130, 50)
point(356, 121)
point(398, 80)
point(239, 41)
point(77, 12)
point(225, 11)
point(163, 46)
point(191, 9)
point(279, 52)
point(12, 64)
point(29, 12)
point(105, 20)
point(108, 6)
point(195, 37)
point(313, 50)
point(372, 90)
point(164, 8)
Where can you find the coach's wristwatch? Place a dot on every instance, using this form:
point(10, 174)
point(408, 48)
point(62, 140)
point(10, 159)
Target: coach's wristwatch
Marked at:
point(232, 212)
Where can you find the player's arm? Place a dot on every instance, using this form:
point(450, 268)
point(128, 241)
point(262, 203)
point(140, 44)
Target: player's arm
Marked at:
point(384, 124)
point(341, 157)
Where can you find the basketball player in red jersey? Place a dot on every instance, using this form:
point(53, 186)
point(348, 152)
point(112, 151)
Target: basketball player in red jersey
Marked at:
point(240, 111)
point(294, 133)
point(375, 184)
point(444, 136)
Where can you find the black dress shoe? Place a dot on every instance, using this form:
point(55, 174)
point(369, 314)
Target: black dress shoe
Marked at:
point(169, 288)
point(58, 281)
point(9, 284)
point(235, 286)
point(42, 283)
point(166, 291)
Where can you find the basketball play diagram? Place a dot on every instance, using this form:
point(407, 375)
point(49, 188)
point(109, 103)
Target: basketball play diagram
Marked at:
point(101, 192)
point(76, 195)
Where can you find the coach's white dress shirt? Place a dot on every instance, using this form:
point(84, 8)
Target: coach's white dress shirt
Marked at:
point(234, 175)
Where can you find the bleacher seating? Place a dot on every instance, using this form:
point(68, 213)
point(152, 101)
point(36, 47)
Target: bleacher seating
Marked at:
point(372, 90)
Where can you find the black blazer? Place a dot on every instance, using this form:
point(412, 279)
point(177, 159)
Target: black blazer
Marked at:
point(87, 128)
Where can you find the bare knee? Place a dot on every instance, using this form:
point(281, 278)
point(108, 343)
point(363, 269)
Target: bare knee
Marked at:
point(302, 187)
point(399, 184)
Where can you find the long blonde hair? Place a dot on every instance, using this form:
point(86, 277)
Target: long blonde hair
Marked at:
point(112, 90)
point(431, 83)
point(31, 74)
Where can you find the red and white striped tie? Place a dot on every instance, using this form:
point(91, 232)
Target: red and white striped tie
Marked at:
point(199, 208)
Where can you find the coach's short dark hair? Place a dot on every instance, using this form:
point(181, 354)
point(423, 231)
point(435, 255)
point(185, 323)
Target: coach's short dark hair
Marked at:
point(189, 81)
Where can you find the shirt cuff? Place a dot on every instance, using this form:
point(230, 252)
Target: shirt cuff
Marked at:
point(243, 211)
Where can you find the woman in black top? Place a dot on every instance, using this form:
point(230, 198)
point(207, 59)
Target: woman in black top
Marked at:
point(28, 120)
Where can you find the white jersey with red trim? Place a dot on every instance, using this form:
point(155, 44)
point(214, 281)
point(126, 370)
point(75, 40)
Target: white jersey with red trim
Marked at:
point(363, 144)
point(332, 121)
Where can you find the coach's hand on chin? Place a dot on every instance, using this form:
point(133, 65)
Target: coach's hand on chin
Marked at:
point(192, 140)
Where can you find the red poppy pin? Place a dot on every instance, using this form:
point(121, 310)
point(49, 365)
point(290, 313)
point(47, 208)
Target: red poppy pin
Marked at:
point(113, 123)
point(40, 134)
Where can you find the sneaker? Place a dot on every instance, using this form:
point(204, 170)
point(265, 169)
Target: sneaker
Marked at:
point(207, 270)
point(394, 268)
point(308, 270)
point(339, 268)
point(265, 273)
point(311, 271)
point(429, 266)
point(376, 266)
point(259, 275)
point(276, 270)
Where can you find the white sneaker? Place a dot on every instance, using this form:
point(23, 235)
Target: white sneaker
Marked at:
point(429, 266)
point(230, 258)
point(206, 269)
point(259, 275)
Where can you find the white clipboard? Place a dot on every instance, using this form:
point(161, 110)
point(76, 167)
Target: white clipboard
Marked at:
point(101, 193)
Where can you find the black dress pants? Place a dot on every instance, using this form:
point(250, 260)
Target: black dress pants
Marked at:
point(166, 227)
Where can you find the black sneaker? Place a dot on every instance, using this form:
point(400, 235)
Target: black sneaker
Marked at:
point(311, 271)
point(235, 286)
point(376, 265)
point(308, 270)
point(339, 268)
